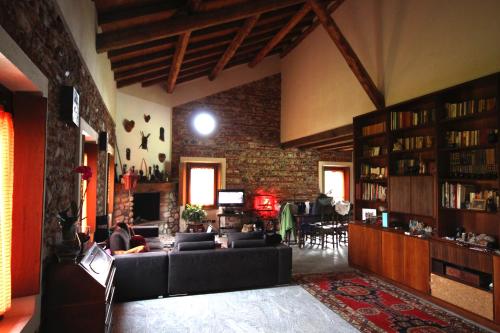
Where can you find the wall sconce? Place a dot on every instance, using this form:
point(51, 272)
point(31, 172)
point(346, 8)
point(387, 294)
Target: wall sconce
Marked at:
point(6, 191)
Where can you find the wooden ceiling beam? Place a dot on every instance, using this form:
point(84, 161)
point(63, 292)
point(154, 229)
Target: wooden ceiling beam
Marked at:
point(348, 53)
point(336, 147)
point(137, 14)
point(333, 140)
point(221, 31)
point(281, 34)
point(117, 39)
point(319, 137)
point(233, 47)
point(332, 144)
point(293, 44)
point(180, 51)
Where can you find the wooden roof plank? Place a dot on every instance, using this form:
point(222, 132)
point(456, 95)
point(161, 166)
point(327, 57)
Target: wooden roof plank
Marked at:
point(233, 47)
point(319, 137)
point(288, 48)
point(281, 34)
point(348, 53)
point(175, 26)
point(180, 51)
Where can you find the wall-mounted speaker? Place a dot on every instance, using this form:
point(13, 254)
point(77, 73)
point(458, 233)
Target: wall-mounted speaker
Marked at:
point(103, 141)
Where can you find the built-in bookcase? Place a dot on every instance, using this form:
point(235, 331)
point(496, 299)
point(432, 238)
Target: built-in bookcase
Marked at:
point(441, 150)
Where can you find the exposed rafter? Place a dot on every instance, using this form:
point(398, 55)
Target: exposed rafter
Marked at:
point(320, 138)
point(281, 34)
point(295, 42)
point(233, 47)
point(180, 51)
point(117, 39)
point(348, 53)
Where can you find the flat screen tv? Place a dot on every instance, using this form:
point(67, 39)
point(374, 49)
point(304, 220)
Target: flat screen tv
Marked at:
point(230, 198)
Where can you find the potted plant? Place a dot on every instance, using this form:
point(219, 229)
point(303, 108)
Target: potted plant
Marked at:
point(193, 213)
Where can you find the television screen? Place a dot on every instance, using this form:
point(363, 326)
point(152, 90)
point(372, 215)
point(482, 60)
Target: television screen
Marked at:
point(230, 198)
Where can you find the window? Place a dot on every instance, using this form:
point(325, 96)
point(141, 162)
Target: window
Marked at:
point(336, 183)
point(202, 184)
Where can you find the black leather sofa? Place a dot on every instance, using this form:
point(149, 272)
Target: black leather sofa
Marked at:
point(195, 266)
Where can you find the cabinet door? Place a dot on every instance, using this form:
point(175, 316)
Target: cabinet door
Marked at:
point(355, 245)
point(392, 256)
point(416, 263)
point(399, 195)
point(372, 249)
point(496, 287)
point(422, 195)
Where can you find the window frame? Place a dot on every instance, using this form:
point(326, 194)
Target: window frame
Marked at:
point(194, 165)
point(347, 179)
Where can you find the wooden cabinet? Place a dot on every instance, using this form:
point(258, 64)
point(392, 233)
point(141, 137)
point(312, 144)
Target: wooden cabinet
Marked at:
point(79, 296)
point(412, 195)
point(416, 263)
point(393, 255)
point(364, 247)
point(496, 288)
point(399, 195)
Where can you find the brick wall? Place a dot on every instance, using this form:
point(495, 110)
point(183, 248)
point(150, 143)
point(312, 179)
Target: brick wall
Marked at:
point(39, 31)
point(248, 136)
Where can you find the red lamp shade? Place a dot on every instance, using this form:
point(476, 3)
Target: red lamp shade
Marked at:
point(264, 202)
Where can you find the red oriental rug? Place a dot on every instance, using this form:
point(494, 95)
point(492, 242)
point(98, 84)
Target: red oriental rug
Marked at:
point(372, 305)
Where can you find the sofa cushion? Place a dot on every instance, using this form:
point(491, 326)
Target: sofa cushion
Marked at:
point(193, 246)
point(233, 236)
point(183, 237)
point(243, 243)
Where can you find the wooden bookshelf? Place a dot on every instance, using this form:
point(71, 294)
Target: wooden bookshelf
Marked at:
point(450, 132)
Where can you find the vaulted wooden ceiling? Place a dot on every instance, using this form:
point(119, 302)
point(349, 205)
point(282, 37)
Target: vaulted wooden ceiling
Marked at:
point(172, 41)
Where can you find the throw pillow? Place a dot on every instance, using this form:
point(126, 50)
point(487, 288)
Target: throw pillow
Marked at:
point(232, 236)
point(136, 249)
point(247, 228)
point(193, 246)
point(138, 240)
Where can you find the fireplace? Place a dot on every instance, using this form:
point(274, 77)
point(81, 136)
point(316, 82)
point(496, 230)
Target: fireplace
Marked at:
point(147, 206)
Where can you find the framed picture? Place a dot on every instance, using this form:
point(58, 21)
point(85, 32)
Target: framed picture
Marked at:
point(478, 204)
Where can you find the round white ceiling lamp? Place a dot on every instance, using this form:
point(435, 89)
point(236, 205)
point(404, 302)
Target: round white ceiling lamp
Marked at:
point(204, 123)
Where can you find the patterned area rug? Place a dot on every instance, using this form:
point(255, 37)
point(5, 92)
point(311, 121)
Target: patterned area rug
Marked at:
point(372, 305)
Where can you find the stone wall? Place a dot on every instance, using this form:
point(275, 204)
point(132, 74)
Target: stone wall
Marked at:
point(169, 211)
point(39, 31)
point(248, 136)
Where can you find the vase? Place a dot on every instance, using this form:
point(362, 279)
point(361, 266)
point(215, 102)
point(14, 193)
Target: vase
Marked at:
point(68, 249)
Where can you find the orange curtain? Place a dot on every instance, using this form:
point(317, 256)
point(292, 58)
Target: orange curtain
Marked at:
point(6, 191)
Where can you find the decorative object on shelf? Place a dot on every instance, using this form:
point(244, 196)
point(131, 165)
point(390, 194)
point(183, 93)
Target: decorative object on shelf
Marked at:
point(193, 213)
point(128, 125)
point(478, 204)
point(147, 118)
point(69, 247)
point(144, 141)
point(127, 154)
point(162, 134)
point(70, 105)
point(493, 136)
point(162, 157)
point(129, 178)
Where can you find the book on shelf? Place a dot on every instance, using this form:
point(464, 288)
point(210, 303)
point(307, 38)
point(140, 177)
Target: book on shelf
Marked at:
point(475, 164)
point(373, 129)
point(408, 119)
point(460, 196)
point(469, 107)
point(412, 143)
point(368, 171)
point(373, 151)
point(372, 192)
point(462, 139)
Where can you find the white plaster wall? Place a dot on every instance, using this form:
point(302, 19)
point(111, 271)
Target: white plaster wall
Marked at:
point(409, 48)
point(133, 108)
point(80, 18)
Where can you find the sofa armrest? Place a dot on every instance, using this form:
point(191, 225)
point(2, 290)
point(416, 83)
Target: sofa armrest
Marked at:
point(284, 264)
point(141, 275)
point(146, 231)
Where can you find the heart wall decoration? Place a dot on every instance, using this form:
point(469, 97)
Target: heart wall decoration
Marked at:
point(128, 125)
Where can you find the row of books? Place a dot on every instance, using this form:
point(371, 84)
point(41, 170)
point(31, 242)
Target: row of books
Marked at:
point(409, 166)
point(465, 108)
point(372, 191)
point(460, 139)
point(462, 196)
point(373, 129)
point(480, 164)
point(373, 172)
point(408, 119)
point(413, 143)
point(370, 151)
